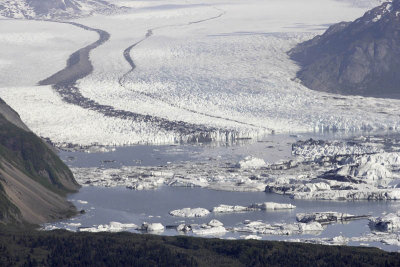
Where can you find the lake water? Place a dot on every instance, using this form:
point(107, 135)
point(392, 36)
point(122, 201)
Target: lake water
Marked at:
point(271, 148)
point(128, 206)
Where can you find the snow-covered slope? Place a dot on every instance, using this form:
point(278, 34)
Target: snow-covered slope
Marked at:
point(364, 3)
point(47, 9)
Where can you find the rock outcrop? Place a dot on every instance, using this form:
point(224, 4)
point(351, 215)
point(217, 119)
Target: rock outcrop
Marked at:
point(355, 58)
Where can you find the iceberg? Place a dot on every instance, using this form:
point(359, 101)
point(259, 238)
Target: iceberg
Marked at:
point(111, 227)
point(272, 206)
point(251, 163)
point(327, 217)
point(152, 227)
point(189, 212)
point(388, 222)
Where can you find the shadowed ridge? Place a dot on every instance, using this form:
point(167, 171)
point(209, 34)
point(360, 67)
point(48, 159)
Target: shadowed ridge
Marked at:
point(33, 180)
point(355, 58)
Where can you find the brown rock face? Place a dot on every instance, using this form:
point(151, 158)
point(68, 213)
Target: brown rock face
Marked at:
point(33, 180)
point(357, 58)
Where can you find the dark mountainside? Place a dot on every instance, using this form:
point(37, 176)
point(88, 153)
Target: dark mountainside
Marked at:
point(355, 58)
point(33, 180)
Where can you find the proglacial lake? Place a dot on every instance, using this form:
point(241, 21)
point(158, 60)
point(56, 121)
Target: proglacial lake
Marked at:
point(120, 204)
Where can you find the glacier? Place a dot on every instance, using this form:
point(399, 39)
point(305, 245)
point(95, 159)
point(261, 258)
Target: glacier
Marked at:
point(204, 64)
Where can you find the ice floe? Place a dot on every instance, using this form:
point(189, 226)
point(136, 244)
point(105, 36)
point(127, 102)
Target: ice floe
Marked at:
point(111, 227)
point(190, 213)
point(327, 217)
point(251, 163)
point(337, 240)
point(205, 230)
point(258, 227)
point(267, 206)
point(248, 237)
point(273, 206)
point(229, 209)
point(387, 222)
point(184, 228)
point(152, 227)
point(212, 228)
point(355, 169)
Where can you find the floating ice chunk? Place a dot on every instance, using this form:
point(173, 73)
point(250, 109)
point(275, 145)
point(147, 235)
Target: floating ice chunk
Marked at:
point(247, 237)
point(337, 240)
point(392, 242)
point(190, 213)
point(214, 227)
point(118, 225)
point(82, 202)
point(388, 222)
point(253, 207)
point(318, 149)
point(152, 227)
point(164, 174)
point(179, 182)
point(326, 217)
point(257, 227)
point(251, 163)
point(376, 194)
point(373, 169)
point(111, 227)
point(97, 149)
point(215, 223)
point(272, 206)
point(218, 230)
point(228, 209)
point(184, 228)
point(311, 227)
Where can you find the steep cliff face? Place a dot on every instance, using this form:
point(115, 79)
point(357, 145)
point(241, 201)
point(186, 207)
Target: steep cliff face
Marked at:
point(358, 58)
point(34, 181)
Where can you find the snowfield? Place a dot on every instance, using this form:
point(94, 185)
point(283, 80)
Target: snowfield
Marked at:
point(220, 66)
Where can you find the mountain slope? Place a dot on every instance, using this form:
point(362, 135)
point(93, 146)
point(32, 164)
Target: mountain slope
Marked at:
point(11, 115)
point(53, 9)
point(34, 181)
point(359, 58)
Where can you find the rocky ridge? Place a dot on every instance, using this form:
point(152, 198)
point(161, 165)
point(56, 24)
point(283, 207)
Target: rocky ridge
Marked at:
point(355, 58)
